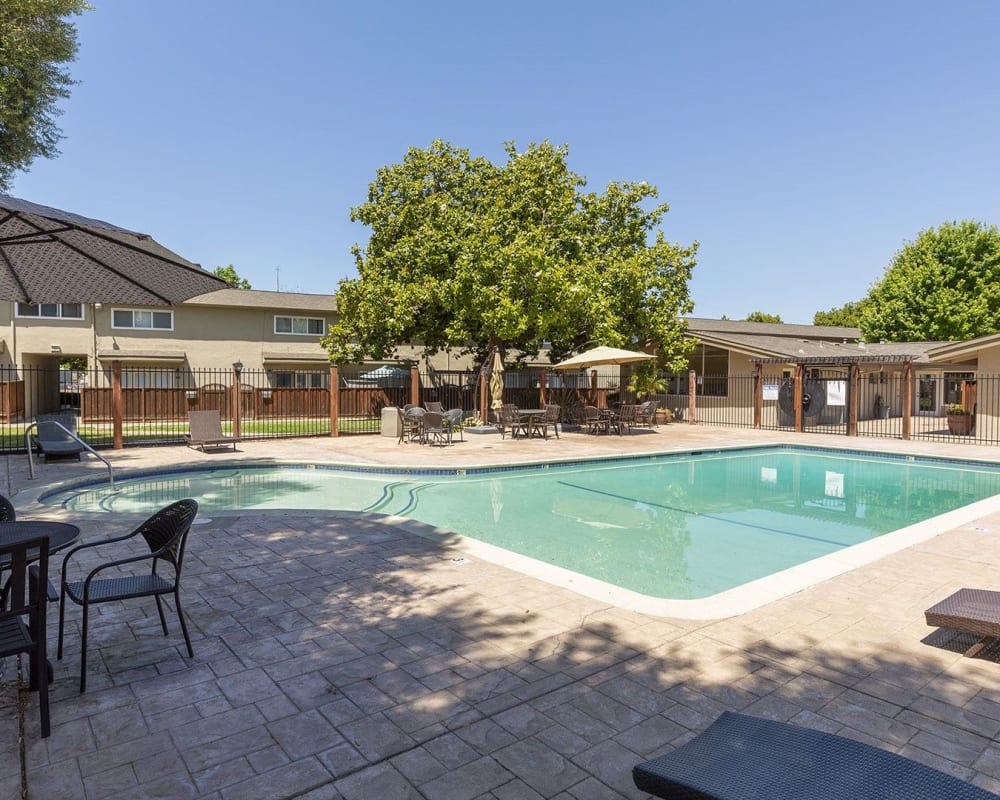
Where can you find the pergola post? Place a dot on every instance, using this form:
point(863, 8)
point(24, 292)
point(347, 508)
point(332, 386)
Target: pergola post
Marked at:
point(852, 401)
point(692, 397)
point(484, 397)
point(800, 375)
point(758, 395)
point(334, 400)
point(907, 399)
point(117, 405)
point(542, 389)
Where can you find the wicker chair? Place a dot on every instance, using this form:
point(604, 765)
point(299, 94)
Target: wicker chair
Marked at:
point(437, 408)
point(646, 413)
point(7, 512)
point(594, 421)
point(434, 429)
point(22, 615)
point(627, 418)
point(166, 534)
point(409, 423)
point(739, 757)
point(453, 418)
point(550, 419)
point(509, 420)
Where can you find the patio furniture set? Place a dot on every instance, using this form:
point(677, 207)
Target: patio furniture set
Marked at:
point(429, 424)
point(620, 420)
point(25, 548)
point(528, 422)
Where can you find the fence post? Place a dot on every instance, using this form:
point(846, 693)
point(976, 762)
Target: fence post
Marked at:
point(541, 390)
point(907, 399)
point(800, 374)
point(758, 395)
point(852, 401)
point(117, 405)
point(334, 400)
point(237, 400)
point(692, 397)
point(415, 386)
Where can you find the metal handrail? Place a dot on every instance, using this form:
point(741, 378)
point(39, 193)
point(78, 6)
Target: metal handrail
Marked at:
point(31, 460)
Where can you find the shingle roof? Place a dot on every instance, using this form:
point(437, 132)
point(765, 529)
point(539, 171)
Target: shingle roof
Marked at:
point(774, 329)
point(258, 298)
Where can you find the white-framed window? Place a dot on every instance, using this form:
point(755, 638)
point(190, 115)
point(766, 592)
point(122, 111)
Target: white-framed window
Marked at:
point(289, 379)
point(142, 320)
point(147, 378)
point(51, 310)
point(300, 326)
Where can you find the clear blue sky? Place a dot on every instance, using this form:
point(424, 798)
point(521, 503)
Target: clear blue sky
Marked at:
point(801, 143)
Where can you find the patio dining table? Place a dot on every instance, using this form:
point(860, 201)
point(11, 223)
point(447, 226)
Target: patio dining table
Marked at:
point(61, 534)
point(529, 417)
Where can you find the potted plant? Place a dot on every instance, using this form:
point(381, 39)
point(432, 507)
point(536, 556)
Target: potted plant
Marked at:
point(646, 382)
point(960, 421)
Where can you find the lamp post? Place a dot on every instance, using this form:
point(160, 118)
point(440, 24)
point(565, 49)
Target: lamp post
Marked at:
point(237, 399)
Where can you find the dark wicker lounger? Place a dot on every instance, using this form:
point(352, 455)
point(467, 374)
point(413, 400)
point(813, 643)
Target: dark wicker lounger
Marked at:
point(975, 611)
point(747, 758)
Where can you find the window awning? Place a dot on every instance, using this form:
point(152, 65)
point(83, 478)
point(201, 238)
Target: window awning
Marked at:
point(319, 358)
point(157, 356)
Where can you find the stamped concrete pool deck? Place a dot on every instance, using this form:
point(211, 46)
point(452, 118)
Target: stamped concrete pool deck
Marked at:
point(344, 659)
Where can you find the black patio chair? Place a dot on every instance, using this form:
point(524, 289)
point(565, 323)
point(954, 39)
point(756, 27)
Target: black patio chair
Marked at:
point(410, 423)
point(550, 419)
point(434, 429)
point(166, 535)
point(22, 615)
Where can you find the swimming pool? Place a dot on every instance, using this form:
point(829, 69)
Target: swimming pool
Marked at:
point(679, 526)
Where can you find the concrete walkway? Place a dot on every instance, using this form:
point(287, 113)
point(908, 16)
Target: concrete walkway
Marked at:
point(348, 659)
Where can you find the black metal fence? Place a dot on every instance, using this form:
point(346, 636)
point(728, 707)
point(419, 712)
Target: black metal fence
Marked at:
point(280, 402)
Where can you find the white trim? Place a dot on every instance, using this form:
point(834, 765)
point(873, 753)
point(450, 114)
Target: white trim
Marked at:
point(134, 327)
point(39, 316)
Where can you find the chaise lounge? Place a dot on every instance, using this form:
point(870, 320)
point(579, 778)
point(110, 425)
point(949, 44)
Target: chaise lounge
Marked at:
point(975, 611)
point(206, 431)
point(746, 758)
point(55, 437)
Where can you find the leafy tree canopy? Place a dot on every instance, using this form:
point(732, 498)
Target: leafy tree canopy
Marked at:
point(229, 274)
point(36, 40)
point(945, 286)
point(466, 254)
point(760, 316)
point(846, 316)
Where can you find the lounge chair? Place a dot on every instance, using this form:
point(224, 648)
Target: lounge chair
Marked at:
point(740, 757)
point(975, 611)
point(55, 437)
point(206, 431)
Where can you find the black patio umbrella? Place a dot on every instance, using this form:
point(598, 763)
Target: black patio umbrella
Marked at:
point(53, 256)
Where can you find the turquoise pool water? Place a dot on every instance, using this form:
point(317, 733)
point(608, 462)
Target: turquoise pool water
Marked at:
point(677, 526)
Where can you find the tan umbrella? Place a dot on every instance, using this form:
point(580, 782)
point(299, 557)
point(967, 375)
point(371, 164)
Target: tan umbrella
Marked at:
point(602, 355)
point(496, 381)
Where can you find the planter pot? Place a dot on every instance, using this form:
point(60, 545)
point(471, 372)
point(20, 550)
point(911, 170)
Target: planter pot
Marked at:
point(663, 417)
point(960, 424)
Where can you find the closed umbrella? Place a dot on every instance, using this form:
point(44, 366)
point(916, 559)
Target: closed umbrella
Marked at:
point(52, 256)
point(496, 381)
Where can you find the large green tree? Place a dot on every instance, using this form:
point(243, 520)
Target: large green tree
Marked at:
point(762, 316)
point(943, 286)
point(845, 316)
point(229, 274)
point(37, 39)
point(466, 254)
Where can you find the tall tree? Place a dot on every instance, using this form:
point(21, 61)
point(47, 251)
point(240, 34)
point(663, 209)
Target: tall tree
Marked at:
point(944, 286)
point(466, 254)
point(229, 274)
point(846, 316)
point(760, 316)
point(36, 40)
